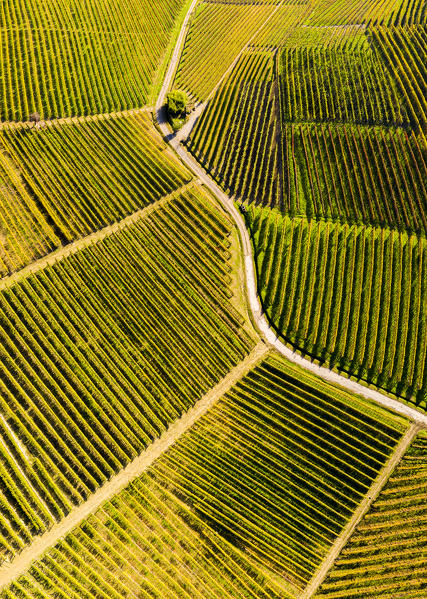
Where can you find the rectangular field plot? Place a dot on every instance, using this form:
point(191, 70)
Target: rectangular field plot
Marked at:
point(371, 175)
point(103, 350)
point(70, 59)
point(386, 556)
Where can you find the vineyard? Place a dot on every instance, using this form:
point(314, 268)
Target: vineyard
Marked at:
point(219, 140)
point(70, 59)
point(386, 554)
point(353, 296)
point(218, 29)
point(65, 181)
point(245, 497)
point(98, 357)
point(213, 339)
point(319, 127)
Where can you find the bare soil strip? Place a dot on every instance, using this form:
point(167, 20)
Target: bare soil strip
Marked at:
point(373, 492)
point(19, 565)
point(72, 119)
point(79, 244)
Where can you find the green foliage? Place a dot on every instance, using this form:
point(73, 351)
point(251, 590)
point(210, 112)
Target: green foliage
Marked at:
point(390, 541)
point(176, 105)
point(176, 102)
point(62, 182)
point(351, 295)
point(98, 355)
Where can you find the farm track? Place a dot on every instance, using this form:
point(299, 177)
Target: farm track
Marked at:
point(371, 495)
point(83, 242)
point(260, 320)
point(69, 120)
point(10, 571)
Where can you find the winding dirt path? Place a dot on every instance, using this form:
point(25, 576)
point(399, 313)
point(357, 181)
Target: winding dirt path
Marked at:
point(260, 320)
point(19, 565)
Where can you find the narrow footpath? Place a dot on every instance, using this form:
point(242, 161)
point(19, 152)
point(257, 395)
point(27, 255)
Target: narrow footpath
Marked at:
point(373, 492)
point(83, 242)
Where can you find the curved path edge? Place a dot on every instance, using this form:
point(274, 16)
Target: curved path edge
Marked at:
point(260, 320)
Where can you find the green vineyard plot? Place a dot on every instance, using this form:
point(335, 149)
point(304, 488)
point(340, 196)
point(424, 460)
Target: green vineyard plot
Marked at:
point(68, 59)
point(217, 33)
point(353, 296)
point(98, 357)
point(356, 175)
point(386, 555)
point(213, 336)
point(245, 504)
point(244, 108)
point(72, 178)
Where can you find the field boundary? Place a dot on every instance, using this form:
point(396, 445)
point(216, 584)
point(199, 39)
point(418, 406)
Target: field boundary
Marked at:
point(9, 571)
point(259, 318)
point(70, 120)
point(91, 239)
point(371, 495)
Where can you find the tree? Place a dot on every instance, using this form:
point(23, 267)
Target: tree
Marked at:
point(176, 104)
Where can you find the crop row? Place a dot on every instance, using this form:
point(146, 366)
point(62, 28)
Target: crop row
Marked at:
point(326, 13)
point(68, 179)
point(259, 487)
point(339, 84)
point(143, 544)
point(67, 59)
point(372, 175)
point(278, 466)
point(236, 136)
point(386, 554)
point(217, 34)
point(403, 51)
point(102, 351)
point(363, 174)
point(353, 296)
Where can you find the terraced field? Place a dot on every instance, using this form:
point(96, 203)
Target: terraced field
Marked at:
point(65, 181)
point(102, 351)
point(386, 555)
point(244, 505)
